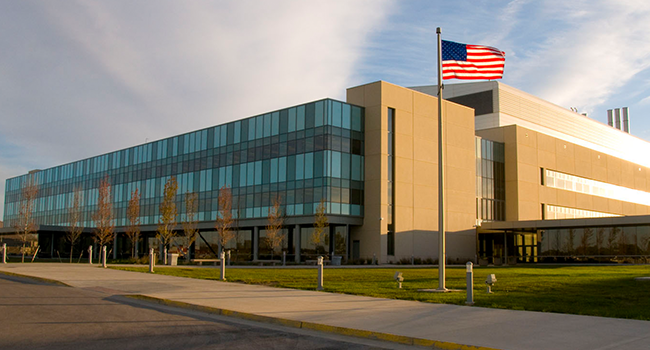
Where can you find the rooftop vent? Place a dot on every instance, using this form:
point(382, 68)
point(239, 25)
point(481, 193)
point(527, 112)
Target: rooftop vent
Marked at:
point(619, 118)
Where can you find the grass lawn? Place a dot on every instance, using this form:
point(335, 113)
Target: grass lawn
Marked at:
point(609, 291)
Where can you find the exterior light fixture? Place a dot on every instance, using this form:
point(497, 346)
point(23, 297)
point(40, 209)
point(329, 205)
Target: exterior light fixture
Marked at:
point(490, 281)
point(399, 279)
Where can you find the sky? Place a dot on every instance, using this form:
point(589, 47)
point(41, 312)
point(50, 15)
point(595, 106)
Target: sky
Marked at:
point(82, 78)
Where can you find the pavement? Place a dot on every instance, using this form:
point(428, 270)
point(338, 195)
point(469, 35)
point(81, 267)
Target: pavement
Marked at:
point(409, 322)
point(43, 316)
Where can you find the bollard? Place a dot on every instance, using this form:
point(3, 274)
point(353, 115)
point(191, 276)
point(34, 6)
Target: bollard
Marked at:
point(374, 258)
point(90, 255)
point(412, 260)
point(229, 258)
point(284, 258)
point(151, 261)
point(104, 256)
point(320, 273)
point(470, 283)
point(4, 253)
point(222, 258)
point(165, 256)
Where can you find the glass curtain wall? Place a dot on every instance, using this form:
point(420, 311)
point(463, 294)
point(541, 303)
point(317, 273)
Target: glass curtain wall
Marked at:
point(490, 180)
point(300, 154)
point(628, 244)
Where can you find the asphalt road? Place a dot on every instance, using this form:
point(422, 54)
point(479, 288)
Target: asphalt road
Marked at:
point(36, 315)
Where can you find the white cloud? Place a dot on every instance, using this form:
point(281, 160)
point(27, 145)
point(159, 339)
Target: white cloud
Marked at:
point(87, 77)
point(589, 50)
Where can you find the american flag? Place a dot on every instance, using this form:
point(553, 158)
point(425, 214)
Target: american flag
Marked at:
point(462, 61)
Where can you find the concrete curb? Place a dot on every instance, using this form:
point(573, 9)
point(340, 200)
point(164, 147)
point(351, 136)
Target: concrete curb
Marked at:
point(313, 326)
point(40, 279)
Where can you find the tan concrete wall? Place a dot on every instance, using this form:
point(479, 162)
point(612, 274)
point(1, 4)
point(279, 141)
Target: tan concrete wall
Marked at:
point(416, 174)
point(528, 151)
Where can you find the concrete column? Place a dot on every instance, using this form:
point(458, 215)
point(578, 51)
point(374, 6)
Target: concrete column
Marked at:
point(256, 242)
point(332, 239)
point(505, 248)
point(115, 246)
point(296, 234)
point(348, 244)
point(52, 247)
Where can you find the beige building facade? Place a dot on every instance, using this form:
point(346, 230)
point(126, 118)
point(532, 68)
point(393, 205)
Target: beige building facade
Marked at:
point(413, 205)
point(556, 165)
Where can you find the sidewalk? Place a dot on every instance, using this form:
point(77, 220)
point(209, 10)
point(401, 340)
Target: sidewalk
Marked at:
point(475, 326)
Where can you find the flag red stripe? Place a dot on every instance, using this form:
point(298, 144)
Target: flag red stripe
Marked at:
point(483, 62)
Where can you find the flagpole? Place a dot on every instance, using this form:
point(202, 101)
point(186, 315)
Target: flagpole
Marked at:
point(441, 179)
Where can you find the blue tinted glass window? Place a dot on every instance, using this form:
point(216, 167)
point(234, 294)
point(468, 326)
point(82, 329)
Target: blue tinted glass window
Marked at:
point(217, 136)
point(318, 115)
point(292, 120)
point(336, 114)
point(266, 171)
point(258, 172)
point(259, 127)
point(356, 118)
point(345, 121)
point(300, 118)
point(291, 168)
point(222, 177)
point(275, 121)
point(224, 136)
point(300, 166)
point(318, 164)
point(282, 169)
point(251, 129)
point(229, 176)
point(345, 165)
point(267, 125)
point(309, 165)
point(250, 177)
point(355, 167)
point(242, 174)
point(274, 170)
point(336, 164)
point(237, 132)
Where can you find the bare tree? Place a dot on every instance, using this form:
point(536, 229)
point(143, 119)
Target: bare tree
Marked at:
point(318, 236)
point(570, 239)
point(645, 244)
point(25, 225)
point(190, 220)
point(225, 218)
point(104, 225)
point(558, 242)
point(274, 235)
point(168, 212)
point(611, 240)
point(622, 242)
point(133, 216)
point(600, 239)
point(587, 233)
point(74, 218)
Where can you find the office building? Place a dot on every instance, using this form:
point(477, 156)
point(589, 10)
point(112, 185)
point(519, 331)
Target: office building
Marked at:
point(526, 180)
